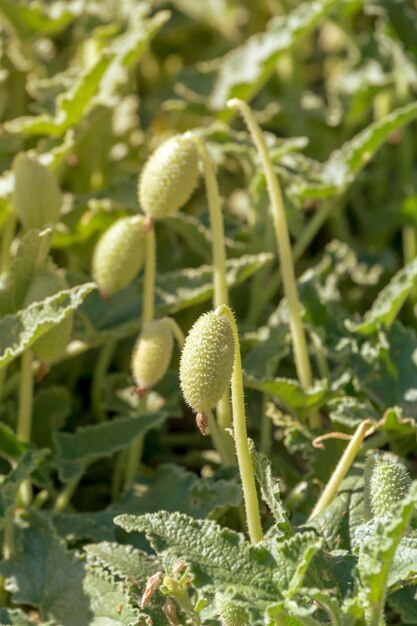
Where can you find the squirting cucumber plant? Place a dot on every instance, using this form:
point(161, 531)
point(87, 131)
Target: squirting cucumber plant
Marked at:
point(208, 335)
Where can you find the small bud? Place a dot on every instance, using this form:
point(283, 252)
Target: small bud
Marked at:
point(170, 612)
point(152, 585)
point(151, 355)
point(53, 343)
point(386, 483)
point(37, 197)
point(169, 177)
point(230, 613)
point(119, 255)
point(207, 362)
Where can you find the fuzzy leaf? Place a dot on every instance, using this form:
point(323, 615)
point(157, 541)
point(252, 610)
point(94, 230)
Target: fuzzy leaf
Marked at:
point(344, 164)
point(18, 332)
point(244, 70)
point(219, 557)
point(30, 256)
point(269, 488)
point(378, 551)
point(9, 488)
point(74, 452)
point(70, 107)
point(124, 561)
point(389, 301)
point(43, 574)
point(33, 20)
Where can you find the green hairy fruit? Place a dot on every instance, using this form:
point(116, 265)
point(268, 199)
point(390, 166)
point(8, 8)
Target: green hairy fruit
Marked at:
point(37, 197)
point(386, 484)
point(230, 613)
point(152, 354)
point(169, 177)
point(53, 343)
point(207, 362)
point(119, 255)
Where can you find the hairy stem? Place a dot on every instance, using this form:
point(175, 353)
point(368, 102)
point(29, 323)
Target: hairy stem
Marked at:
point(302, 361)
point(221, 292)
point(342, 469)
point(24, 419)
point(241, 438)
point(176, 331)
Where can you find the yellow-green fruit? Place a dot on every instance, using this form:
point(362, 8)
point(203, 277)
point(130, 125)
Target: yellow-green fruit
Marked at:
point(53, 343)
point(230, 613)
point(37, 197)
point(169, 177)
point(207, 361)
point(387, 483)
point(119, 254)
point(152, 354)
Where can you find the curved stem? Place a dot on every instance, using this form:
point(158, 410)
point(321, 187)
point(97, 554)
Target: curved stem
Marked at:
point(24, 419)
point(221, 291)
point(102, 365)
point(148, 303)
point(66, 494)
point(241, 438)
point(342, 469)
point(302, 361)
point(176, 331)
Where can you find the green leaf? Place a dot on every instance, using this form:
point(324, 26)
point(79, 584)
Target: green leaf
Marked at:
point(74, 452)
point(291, 394)
point(70, 106)
point(126, 562)
point(219, 557)
point(184, 288)
point(344, 164)
point(43, 574)
point(31, 20)
point(377, 554)
point(244, 70)
point(30, 256)
point(9, 488)
point(169, 488)
point(269, 488)
point(10, 448)
point(16, 617)
point(51, 407)
point(18, 332)
point(388, 303)
point(109, 603)
point(403, 602)
point(385, 370)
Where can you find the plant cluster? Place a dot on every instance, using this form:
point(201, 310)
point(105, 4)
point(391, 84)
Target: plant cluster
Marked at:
point(208, 372)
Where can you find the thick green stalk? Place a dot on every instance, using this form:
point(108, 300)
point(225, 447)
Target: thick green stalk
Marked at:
point(24, 419)
point(302, 361)
point(148, 304)
point(221, 292)
point(102, 365)
point(66, 494)
point(342, 469)
point(7, 239)
point(244, 459)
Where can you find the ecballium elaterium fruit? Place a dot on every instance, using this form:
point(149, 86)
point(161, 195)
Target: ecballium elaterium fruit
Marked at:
point(151, 355)
point(119, 255)
point(169, 177)
point(207, 362)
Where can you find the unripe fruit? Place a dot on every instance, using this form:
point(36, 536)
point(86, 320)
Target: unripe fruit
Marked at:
point(230, 613)
point(119, 255)
point(169, 177)
point(207, 362)
point(152, 354)
point(37, 197)
point(53, 343)
point(386, 483)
